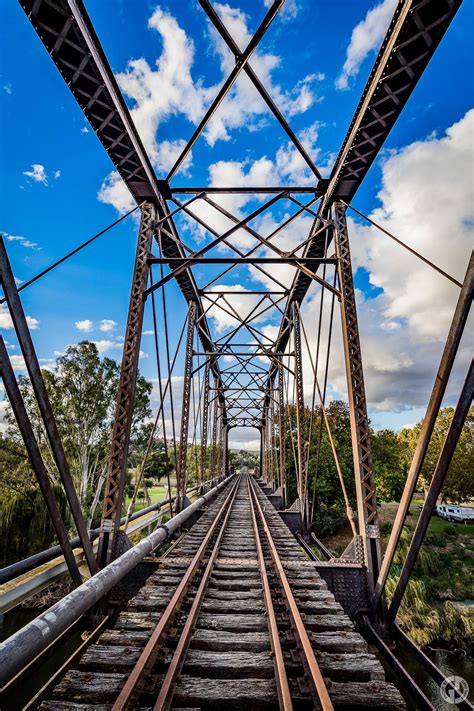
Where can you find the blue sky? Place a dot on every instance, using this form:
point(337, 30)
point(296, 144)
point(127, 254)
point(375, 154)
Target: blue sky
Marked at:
point(301, 59)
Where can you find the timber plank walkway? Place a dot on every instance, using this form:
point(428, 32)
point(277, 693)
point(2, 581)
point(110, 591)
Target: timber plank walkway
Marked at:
point(229, 660)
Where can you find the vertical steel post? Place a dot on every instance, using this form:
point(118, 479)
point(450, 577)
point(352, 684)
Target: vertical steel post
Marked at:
point(214, 440)
point(12, 297)
point(205, 423)
point(261, 457)
point(270, 468)
point(115, 482)
point(300, 424)
point(439, 475)
point(282, 433)
point(453, 340)
point(362, 453)
point(186, 408)
point(264, 445)
point(36, 460)
point(225, 449)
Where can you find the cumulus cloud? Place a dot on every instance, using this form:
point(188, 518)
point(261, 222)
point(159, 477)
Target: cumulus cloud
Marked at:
point(366, 37)
point(85, 325)
point(6, 322)
point(288, 11)
point(171, 88)
point(107, 324)
point(404, 328)
point(226, 305)
point(107, 344)
point(113, 191)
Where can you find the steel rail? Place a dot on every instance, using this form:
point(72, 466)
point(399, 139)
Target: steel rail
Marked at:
point(148, 655)
point(309, 660)
point(165, 696)
point(284, 696)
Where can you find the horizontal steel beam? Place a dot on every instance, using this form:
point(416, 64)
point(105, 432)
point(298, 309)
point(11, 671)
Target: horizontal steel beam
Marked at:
point(263, 190)
point(240, 260)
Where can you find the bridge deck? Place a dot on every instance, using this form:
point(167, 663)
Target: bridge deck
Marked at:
point(228, 662)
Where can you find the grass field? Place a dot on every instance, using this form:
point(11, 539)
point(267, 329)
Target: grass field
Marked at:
point(157, 493)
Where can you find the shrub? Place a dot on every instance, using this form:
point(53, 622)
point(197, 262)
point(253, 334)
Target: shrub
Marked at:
point(451, 530)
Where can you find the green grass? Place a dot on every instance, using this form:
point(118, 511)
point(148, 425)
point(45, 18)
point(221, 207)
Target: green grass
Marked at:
point(439, 525)
point(157, 493)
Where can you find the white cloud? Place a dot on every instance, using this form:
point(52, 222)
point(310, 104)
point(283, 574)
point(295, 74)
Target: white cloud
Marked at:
point(84, 129)
point(427, 202)
point(171, 89)
point(85, 325)
point(366, 36)
point(107, 324)
point(56, 174)
point(6, 322)
point(18, 363)
point(416, 207)
point(242, 304)
point(114, 192)
point(149, 333)
point(37, 173)
point(288, 11)
point(7, 88)
point(105, 345)
point(23, 241)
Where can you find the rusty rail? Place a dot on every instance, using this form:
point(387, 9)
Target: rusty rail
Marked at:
point(150, 651)
point(309, 660)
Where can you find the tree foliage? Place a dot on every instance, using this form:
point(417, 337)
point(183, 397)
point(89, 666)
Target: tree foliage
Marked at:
point(459, 483)
point(82, 389)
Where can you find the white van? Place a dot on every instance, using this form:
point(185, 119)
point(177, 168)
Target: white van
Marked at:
point(456, 513)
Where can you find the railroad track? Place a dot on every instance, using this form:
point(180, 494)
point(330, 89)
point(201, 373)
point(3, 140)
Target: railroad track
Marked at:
point(235, 617)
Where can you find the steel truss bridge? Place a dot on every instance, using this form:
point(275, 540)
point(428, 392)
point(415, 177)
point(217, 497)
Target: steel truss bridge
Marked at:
point(240, 610)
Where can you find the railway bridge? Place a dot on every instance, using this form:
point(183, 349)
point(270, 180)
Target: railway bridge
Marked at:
point(229, 600)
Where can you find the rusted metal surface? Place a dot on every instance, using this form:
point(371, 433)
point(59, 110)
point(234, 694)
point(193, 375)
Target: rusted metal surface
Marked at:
point(362, 454)
point(186, 405)
point(150, 651)
point(284, 696)
point(309, 659)
point(115, 481)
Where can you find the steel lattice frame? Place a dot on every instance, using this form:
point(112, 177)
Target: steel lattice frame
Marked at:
point(185, 410)
point(115, 482)
point(205, 423)
point(362, 453)
point(414, 33)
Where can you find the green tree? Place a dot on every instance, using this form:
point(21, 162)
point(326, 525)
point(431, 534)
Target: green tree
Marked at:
point(25, 526)
point(83, 389)
point(459, 482)
point(390, 465)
